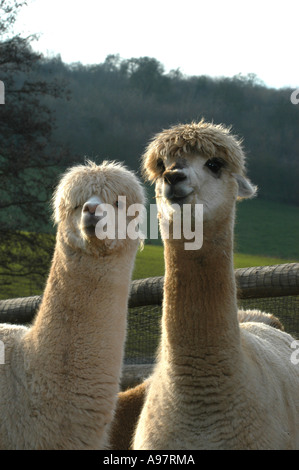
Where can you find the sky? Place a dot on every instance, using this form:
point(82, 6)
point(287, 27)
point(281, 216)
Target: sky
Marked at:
point(211, 37)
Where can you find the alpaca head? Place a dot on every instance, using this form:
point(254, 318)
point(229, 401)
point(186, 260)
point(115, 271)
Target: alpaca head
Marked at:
point(197, 163)
point(95, 204)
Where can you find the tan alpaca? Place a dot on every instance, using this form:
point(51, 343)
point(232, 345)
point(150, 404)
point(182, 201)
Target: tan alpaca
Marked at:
point(59, 383)
point(130, 402)
point(218, 383)
point(126, 415)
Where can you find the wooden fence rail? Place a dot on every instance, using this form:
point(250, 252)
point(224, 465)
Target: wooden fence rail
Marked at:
point(257, 282)
point(253, 283)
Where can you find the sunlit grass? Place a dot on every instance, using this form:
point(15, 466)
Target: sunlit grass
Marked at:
point(266, 233)
point(150, 261)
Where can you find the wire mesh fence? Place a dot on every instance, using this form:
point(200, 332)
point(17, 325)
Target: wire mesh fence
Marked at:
point(143, 334)
point(285, 308)
point(144, 325)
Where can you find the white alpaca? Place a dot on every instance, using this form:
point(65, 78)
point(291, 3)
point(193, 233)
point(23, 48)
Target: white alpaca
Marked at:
point(59, 382)
point(218, 383)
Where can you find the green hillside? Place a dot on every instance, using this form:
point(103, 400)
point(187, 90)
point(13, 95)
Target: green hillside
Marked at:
point(266, 233)
point(150, 262)
point(267, 228)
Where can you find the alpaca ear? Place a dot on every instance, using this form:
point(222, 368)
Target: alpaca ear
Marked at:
point(245, 188)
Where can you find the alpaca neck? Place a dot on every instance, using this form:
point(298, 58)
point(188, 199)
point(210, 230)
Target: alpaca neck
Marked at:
point(82, 291)
point(199, 307)
point(76, 344)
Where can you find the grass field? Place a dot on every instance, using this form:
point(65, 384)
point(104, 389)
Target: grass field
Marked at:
point(267, 228)
point(266, 233)
point(150, 262)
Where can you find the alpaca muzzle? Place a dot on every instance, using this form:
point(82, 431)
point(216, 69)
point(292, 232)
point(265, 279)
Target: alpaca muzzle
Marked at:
point(89, 218)
point(175, 187)
point(91, 205)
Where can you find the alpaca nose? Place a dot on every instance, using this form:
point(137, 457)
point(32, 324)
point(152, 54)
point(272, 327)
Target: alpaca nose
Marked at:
point(91, 205)
point(174, 177)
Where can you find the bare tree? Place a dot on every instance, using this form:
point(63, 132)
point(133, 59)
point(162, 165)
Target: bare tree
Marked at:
point(29, 159)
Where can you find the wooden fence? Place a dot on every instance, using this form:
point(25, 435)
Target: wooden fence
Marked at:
point(270, 288)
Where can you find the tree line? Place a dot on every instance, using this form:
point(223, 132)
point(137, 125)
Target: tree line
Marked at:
point(56, 114)
point(117, 106)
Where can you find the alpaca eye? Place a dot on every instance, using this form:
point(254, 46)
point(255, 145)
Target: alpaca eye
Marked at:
point(76, 208)
point(116, 204)
point(215, 165)
point(160, 165)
